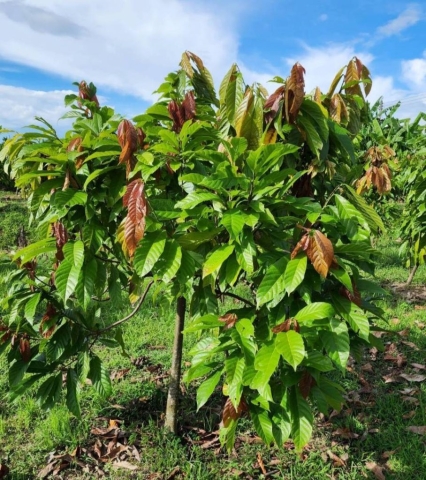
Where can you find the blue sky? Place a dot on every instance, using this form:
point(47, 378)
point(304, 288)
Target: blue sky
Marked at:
point(127, 47)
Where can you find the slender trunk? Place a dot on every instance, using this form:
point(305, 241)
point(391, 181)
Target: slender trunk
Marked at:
point(411, 276)
point(174, 385)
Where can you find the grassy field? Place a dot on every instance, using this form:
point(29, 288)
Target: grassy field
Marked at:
point(367, 439)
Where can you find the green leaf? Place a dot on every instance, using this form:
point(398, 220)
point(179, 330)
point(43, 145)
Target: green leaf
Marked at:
point(312, 137)
point(315, 311)
point(49, 392)
point(206, 322)
point(370, 215)
point(170, 261)
point(262, 423)
point(191, 241)
point(58, 342)
point(234, 221)
point(336, 343)
point(206, 389)
point(17, 372)
point(99, 376)
point(290, 345)
point(83, 364)
point(69, 198)
point(353, 315)
point(68, 272)
point(195, 198)
point(266, 362)
point(73, 388)
point(319, 361)
point(301, 419)
point(101, 171)
point(86, 283)
point(234, 368)
point(273, 282)
point(216, 259)
point(342, 275)
point(31, 307)
point(295, 273)
point(26, 254)
point(246, 252)
point(149, 251)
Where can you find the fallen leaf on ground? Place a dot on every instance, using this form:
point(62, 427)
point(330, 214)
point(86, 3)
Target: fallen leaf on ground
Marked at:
point(367, 367)
point(119, 374)
point(388, 454)
point(420, 325)
point(413, 378)
point(419, 366)
point(404, 333)
point(260, 463)
point(126, 465)
point(409, 415)
point(337, 461)
point(411, 400)
point(418, 430)
point(173, 473)
point(345, 433)
point(395, 321)
point(419, 307)
point(376, 469)
point(410, 344)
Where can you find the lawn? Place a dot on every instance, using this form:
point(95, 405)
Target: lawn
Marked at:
point(122, 437)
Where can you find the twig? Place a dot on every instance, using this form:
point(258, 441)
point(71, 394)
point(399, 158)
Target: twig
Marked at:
point(131, 314)
point(234, 295)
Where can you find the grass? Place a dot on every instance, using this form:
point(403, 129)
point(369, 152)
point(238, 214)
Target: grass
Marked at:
point(371, 427)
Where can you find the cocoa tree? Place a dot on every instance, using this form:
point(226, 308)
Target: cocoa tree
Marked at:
point(197, 195)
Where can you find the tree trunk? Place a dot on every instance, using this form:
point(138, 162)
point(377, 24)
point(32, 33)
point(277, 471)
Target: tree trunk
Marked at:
point(411, 276)
point(174, 385)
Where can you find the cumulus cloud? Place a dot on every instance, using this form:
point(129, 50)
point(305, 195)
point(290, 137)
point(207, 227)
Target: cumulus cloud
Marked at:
point(409, 17)
point(19, 106)
point(128, 48)
point(414, 72)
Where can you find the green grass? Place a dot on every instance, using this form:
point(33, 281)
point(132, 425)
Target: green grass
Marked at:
point(372, 421)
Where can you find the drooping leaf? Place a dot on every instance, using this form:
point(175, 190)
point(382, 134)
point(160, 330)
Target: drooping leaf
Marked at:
point(216, 259)
point(206, 389)
point(290, 345)
point(149, 251)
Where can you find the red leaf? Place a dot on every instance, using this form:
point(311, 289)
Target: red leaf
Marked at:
point(306, 383)
point(229, 413)
point(61, 235)
point(129, 142)
point(294, 93)
point(25, 349)
point(230, 319)
point(134, 226)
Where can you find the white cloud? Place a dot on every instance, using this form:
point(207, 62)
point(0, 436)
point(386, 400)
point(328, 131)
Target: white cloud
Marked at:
point(127, 48)
point(323, 17)
point(414, 72)
point(409, 17)
point(19, 106)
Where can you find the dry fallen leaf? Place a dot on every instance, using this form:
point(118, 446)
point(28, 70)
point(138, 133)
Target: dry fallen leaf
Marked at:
point(413, 378)
point(126, 465)
point(337, 461)
point(261, 464)
point(418, 430)
point(376, 469)
point(419, 366)
point(395, 321)
point(411, 344)
point(345, 433)
point(404, 333)
point(409, 415)
point(411, 400)
point(367, 367)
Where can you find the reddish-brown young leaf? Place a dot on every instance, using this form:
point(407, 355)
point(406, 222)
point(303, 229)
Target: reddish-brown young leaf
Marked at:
point(336, 108)
point(230, 319)
point(302, 244)
point(60, 233)
point(76, 146)
point(320, 252)
point(352, 75)
point(134, 226)
point(317, 95)
point(354, 297)
point(141, 137)
point(306, 383)
point(294, 93)
point(86, 93)
point(230, 413)
point(272, 104)
point(188, 106)
point(282, 327)
point(48, 322)
point(175, 113)
point(25, 349)
point(129, 142)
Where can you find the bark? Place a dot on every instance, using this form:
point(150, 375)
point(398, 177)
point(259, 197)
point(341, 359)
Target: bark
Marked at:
point(411, 276)
point(175, 372)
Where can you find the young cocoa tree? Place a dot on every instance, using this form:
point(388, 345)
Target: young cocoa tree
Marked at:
point(196, 196)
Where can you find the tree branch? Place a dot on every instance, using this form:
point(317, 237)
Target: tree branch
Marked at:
point(131, 314)
point(237, 297)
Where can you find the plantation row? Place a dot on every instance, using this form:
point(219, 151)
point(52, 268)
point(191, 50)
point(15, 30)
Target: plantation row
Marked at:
point(202, 193)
